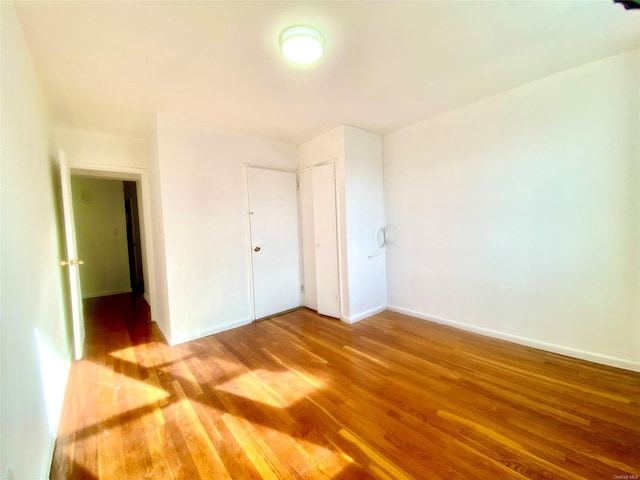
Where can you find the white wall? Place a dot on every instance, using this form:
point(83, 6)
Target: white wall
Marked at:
point(204, 223)
point(83, 147)
point(101, 235)
point(519, 216)
point(35, 330)
point(160, 308)
point(364, 202)
point(328, 147)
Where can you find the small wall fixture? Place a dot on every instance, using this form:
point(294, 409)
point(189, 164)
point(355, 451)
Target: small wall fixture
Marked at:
point(301, 44)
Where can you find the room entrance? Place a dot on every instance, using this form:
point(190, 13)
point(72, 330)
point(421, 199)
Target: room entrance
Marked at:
point(95, 217)
point(107, 236)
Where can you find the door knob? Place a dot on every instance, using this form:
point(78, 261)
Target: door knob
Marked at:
point(71, 262)
point(256, 249)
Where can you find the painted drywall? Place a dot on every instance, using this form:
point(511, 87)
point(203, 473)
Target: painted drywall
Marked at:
point(364, 203)
point(204, 223)
point(83, 147)
point(519, 216)
point(101, 236)
point(328, 147)
point(35, 330)
point(160, 305)
point(358, 156)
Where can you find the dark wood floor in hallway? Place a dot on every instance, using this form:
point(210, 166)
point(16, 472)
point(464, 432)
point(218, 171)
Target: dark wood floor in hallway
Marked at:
point(301, 396)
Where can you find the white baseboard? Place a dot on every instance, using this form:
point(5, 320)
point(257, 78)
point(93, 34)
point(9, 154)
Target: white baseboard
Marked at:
point(175, 340)
point(529, 342)
point(363, 315)
point(105, 294)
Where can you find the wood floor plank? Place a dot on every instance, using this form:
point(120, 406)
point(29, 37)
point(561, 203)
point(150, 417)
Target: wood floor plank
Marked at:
point(302, 396)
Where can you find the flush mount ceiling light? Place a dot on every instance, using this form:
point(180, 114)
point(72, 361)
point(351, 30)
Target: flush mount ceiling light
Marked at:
point(301, 44)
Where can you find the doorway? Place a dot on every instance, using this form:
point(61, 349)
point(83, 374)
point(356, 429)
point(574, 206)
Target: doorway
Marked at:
point(275, 244)
point(107, 236)
point(134, 247)
point(320, 239)
point(73, 263)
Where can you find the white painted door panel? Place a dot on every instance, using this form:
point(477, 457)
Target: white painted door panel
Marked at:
point(308, 242)
point(273, 207)
point(72, 263)
point(326, 243)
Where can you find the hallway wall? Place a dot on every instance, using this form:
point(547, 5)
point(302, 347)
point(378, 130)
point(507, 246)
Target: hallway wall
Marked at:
point(35, 330)
point(101, 235)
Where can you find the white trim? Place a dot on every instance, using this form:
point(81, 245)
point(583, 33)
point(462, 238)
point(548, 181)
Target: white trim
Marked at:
point(209, 331)
point(342, 259)
point(262, 167)
point(106, 294)
point(106, 172)
point(333, 160)
point(363, 315)
point(529, 342)
point(248, 239)
point(300, 245)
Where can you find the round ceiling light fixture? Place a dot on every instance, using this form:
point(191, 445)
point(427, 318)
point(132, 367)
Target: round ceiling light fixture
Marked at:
point(301, 44)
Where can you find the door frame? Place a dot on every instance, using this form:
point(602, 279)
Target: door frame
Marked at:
point(141, 177)
point(131, 249)
point(249, 240)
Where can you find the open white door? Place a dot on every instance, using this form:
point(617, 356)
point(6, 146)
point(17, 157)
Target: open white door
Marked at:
point(326, 240)
point(273, 209)
point(72, 263)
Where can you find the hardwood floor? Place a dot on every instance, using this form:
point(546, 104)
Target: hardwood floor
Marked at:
point(303, 396)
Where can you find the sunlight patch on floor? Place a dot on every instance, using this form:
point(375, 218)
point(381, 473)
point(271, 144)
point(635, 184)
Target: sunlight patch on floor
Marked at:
point(107, 389)
point(278, 389)
point(146, 356)
point(265, 446)
point(127, 354)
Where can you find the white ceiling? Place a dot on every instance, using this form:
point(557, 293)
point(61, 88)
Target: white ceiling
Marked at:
point(109, 66)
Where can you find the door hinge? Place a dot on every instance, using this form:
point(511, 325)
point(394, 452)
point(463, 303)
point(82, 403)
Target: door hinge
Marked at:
point(302, 288)
point(298, 184)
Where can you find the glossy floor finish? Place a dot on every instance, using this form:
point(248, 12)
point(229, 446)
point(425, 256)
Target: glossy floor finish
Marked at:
point(303, 396)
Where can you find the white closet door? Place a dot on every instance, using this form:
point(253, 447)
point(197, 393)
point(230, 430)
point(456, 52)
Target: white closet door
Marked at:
point(273, 206)
point(310, 298)
point(326, 240)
